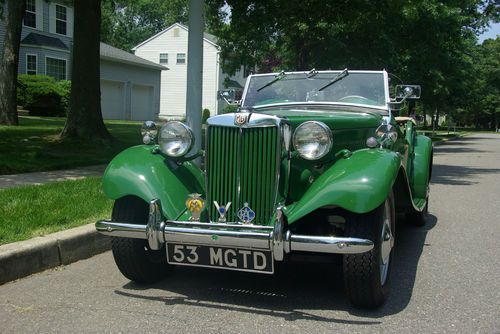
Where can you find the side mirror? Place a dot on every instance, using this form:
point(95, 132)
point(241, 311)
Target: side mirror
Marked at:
point(228, 95)
point(408, 92)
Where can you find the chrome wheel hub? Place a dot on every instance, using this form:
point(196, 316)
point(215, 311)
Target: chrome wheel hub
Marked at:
point(386, 243)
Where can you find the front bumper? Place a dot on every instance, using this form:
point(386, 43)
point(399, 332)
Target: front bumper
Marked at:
point(273, 238)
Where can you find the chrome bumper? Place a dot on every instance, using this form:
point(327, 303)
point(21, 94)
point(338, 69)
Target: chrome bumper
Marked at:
point(159, 232)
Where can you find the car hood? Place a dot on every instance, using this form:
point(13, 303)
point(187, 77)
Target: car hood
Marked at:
point(335, 119)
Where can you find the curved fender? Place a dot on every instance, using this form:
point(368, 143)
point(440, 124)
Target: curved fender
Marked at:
point(359, 184)
point(422, 166)
point(139, 172)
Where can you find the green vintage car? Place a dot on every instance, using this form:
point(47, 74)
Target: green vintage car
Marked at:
point(313, 163)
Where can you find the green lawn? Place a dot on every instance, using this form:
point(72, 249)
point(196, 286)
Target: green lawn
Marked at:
point(34, 145)
point(31, 211)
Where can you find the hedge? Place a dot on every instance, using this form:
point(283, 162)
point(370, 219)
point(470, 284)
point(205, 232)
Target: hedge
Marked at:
point(43, 95)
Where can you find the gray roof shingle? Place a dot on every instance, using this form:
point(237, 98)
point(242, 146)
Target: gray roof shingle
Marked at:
point(111, 53)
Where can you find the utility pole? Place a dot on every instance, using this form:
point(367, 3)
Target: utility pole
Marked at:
point(195, 71)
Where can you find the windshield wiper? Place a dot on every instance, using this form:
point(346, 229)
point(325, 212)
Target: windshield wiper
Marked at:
point(339, 77)
point(278, 77)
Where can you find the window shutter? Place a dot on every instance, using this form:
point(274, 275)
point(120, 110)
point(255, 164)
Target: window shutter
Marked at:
point(39, 14)
point(52, 18)
point(69, 20)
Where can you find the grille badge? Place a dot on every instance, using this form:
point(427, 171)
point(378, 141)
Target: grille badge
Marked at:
point(241, 118)
point(222, 210)
point(246, 215)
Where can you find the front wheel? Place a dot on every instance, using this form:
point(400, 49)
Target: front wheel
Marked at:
point(134, 258)
point(367, 275)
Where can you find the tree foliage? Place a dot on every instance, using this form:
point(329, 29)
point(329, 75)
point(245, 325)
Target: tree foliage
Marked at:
point(426, 42)
point(126, 23)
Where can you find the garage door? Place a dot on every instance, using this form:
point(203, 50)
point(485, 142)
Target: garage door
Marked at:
point(112, 99)
point(141, 108)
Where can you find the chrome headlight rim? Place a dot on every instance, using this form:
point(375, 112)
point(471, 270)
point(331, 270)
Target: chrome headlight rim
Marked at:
point(190, 136)
point(327, 132)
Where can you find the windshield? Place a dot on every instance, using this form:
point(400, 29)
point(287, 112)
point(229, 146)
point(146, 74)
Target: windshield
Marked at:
point(355, 88)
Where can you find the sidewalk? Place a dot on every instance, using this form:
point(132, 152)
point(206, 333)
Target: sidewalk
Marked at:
point(17, 180)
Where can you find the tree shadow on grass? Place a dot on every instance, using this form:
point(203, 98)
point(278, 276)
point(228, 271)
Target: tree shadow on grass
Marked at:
point(295, 292)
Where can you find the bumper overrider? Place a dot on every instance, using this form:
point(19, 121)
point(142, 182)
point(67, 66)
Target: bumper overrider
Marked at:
point(274, 239)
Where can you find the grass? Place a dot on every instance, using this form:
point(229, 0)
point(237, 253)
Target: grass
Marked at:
point(35, 145)
point(31, 211)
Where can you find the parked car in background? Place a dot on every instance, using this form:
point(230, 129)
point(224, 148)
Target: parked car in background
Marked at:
point(312, 163)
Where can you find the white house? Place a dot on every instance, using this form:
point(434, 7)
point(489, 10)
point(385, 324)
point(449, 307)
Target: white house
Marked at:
point(169, 48)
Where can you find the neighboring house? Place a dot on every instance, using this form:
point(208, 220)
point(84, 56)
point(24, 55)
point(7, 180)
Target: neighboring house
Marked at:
point(169, 47)
point(46, 38)
point(130, 85)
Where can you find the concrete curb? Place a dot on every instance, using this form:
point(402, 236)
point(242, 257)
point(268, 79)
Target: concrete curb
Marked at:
point(24, 258)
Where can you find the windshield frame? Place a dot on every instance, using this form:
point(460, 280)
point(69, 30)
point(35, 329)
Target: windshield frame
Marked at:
point(384, 108)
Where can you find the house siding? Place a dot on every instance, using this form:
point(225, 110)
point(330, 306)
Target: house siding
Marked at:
point(41, 54)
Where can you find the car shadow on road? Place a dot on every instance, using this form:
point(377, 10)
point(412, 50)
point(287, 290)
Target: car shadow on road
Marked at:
point(458, 175)
point(294, 288)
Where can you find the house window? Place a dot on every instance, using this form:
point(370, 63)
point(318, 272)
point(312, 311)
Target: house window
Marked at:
point(31, 64)
point(61, 16)
point(163, 58)
point(181, 58)
point(55, 68)
point(30, 14)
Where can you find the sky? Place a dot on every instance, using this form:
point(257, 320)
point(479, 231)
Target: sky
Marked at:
point(492, 32)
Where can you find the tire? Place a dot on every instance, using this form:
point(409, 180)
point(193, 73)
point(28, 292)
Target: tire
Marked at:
point(135, 260)
point(418, 218)
point(367, 275)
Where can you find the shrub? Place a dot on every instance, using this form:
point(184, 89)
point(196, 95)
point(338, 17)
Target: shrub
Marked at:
point(43, 95)
point(205, 115)
point(230, 108)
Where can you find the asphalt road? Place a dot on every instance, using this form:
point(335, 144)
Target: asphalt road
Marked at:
point(446, 278)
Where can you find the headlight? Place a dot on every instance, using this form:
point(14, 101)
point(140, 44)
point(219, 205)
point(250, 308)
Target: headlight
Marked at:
point(175, 139)
point(386, 131)
point(149, 131)
point(313, 140)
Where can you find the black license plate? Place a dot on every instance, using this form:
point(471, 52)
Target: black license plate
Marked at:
point(221, 257)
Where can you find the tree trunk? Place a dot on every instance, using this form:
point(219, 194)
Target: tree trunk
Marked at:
point(85, 118)
point(9, 60)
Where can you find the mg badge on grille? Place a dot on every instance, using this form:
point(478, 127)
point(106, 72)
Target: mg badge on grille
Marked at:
point(246, 215)
point(241, 118)
point(222, 210)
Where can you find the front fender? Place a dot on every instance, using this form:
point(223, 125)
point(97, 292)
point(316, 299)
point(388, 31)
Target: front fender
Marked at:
point(139, 172)
point(359, 184)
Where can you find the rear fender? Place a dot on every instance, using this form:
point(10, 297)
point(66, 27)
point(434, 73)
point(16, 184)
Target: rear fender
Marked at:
point(422, 166)
point(138, 171)
point(358, 184)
